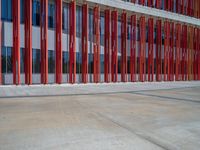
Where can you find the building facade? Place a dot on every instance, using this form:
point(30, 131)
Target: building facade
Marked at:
point(92, 41)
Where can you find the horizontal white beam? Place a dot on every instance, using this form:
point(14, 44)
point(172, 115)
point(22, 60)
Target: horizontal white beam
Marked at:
point(131, 7)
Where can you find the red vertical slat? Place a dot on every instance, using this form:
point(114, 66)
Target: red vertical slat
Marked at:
point(133, 48)
point(166, 50)
point(124, 47)
point(192, 8)
point(178, 43)
point(142, 49)
point(16, 42)
point(58, 41)
point(107, 46)
point(142, 2)
point(72, 42)
point(190, 53)
point(158, 4)
point(198, 54)
point(150, 3)
point(150, 49)
point(28, 41)
point(172, 5)
point(0, 47)
point(114, 46)
point(158, 50)
point(188, 8)
point(44, 40)
point(85, 43)
point(172, 53)
point(96, 47)
point(195, 62)
point(133, 1)
point(177, 6)
point(184, 52)
point(182, 6)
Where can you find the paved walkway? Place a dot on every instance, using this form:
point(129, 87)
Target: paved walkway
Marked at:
point(138, 116)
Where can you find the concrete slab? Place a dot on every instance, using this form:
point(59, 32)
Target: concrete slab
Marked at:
point(150, 117)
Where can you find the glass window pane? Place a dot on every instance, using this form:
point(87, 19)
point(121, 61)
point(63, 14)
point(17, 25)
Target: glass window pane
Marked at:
point(51, 61)
point(9, 10)
point(3, 59)
point(36, 61)
point(9, 60)
point(22, 11)
point(22, 60)
point(4, 6)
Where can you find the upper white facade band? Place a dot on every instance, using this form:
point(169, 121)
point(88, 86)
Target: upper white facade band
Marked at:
point(147, 11)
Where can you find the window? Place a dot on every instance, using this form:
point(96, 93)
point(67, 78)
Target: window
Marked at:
point(22, 11)
point(36, 60)
point(22, 56)
point(65, 16)
point(101, 63)
point(65, 62)
point(51, 61)
point(78, 62)
point(102, 21)
point(36, 13)
point(78, 21)
point(3, 60)
point(6, 10)
point(51, 15)
point(9, 60)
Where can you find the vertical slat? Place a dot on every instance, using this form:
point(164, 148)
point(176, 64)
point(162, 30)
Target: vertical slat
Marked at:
point(166, 50)
point(184, 53)
point(150, 3)
point(133, 1)
point(85, 43)
point(172, 5)
point(178, 43)
point(0, 47)
point(124, 47)
point(158, 50)
point(195, 54)
point(133, 48)
point(150, 49)
point(158, 4)
point(16, 42)
point(182, 6)
point(96, 47)
point(142, 54)
point(44, 40)
point(107, 46)
point(177, 6)
point(28, 41)
point(58, 43)
point(190, 53)
point(72, 42)
point(114, 46)
point(172, 53)
point(198, 54)
point(141, 2)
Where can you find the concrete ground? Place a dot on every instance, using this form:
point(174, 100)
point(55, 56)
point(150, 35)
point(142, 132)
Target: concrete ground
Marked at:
point(130, 116)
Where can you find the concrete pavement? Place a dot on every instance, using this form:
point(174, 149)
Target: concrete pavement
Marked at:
point(128, 116)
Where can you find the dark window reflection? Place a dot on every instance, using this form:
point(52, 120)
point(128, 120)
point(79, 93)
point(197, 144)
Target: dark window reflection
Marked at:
point(36, 60)
point(51, 61)
point(6, 10)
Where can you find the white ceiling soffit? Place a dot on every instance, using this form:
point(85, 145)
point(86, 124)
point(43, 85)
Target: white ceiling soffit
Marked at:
point(128, 6)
